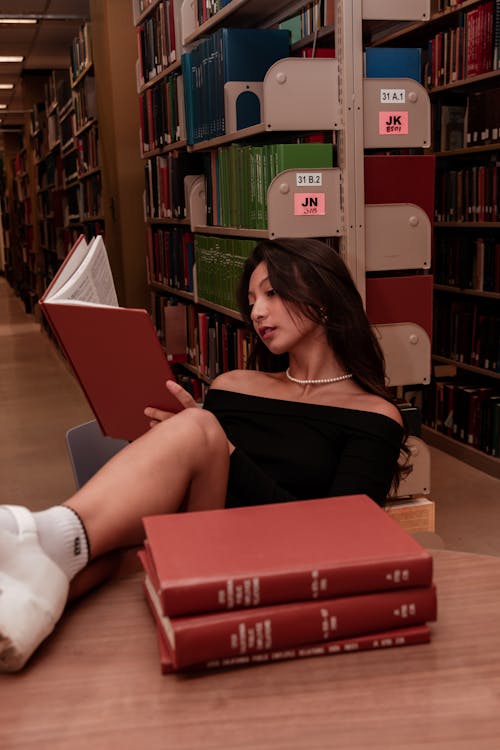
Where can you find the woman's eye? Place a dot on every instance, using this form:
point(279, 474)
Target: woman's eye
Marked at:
point(271, 293)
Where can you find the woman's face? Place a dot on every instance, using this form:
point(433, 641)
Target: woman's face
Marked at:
point(280, 325)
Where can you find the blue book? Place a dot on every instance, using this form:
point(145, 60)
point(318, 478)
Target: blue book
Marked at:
point(186, 65)
point(394, 62)
point(234, 55)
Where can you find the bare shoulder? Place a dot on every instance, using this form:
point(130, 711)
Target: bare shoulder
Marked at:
point(242, 381)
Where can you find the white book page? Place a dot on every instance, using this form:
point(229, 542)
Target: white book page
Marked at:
point(78, 253)
point(92, 282)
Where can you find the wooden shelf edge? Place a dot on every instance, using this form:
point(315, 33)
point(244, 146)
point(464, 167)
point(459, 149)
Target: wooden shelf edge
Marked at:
point(466, 453)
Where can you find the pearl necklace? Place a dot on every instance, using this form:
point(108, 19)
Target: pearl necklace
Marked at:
point(318, 381)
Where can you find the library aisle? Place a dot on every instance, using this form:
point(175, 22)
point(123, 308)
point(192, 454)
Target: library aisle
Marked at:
point(40, 400)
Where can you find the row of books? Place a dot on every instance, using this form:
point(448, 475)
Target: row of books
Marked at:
point(472, 120)
point(170, 257)
point(50, 234)
point(467, 331)
point(68, 130)
point(91, 196)
point(49, 204)
point(219, 265)
point(48, 172)
point(161, 114)
point(467, 49)
point(312, 18)
point(205, 9)
point(229, 54)
point(57, 89)
point(164, 196)
point(70, 166)
point(216, 344)
point(244, 586)
point(80, 52)
point(468, 194)
point(84, 200)
point(84, 102)
point(468, 262)
point(87, 145)
point(157, 42)
point(238, 178)
point(209, 342)
point(468, 413)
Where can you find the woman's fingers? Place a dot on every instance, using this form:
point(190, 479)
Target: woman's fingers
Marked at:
point(157, 415)
point(183, 397)
point(181, 394)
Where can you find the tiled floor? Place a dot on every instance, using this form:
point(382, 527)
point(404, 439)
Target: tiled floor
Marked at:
point(40, 400)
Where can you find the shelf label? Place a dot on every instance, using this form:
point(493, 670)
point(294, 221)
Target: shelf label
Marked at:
point(393, 123)
point(308, 178)
point(309, 204)
point(389, 96)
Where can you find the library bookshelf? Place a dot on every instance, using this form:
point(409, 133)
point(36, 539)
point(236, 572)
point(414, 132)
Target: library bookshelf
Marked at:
point(56, 172)
point(189, 236)
point(461, 45)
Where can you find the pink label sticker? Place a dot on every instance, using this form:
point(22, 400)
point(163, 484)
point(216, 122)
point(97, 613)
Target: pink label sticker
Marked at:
point(393, 123)
point(309, 204)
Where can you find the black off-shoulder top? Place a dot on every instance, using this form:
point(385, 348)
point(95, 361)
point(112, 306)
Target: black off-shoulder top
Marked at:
point(288, 450)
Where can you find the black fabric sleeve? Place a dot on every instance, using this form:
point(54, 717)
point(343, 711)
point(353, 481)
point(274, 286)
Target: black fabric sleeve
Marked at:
point(366, 466)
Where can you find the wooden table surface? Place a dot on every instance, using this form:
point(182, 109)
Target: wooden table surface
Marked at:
point(96, 684)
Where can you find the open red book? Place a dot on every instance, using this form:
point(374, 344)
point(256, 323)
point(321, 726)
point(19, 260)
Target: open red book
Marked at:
point(114, 351)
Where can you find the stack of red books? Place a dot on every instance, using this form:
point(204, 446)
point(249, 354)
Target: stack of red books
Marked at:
point(271, 582)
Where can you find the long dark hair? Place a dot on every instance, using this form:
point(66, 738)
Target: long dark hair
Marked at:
point(313, 277)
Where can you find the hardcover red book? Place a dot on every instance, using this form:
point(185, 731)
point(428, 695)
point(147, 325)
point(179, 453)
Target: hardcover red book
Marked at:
point(198, 639)
point(401, 179)
point(405, 636)
point(400, 299)
point(237, 558)
point(114, 351)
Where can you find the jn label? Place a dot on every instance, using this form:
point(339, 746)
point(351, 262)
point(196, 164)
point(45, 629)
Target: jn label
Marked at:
point(309, 204)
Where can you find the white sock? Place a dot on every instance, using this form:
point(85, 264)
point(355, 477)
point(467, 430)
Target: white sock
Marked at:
point(61, 534)
point(7, 520)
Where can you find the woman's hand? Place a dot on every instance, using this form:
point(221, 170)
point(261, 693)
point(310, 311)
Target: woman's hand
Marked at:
point(182, 396)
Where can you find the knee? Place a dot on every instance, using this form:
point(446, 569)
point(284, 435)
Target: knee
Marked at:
point(198, 425)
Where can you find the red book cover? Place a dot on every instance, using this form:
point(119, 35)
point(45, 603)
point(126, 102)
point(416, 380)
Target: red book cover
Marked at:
point(304, 550)
point(248, 633)
point(318, 52)
point(114, 351)
point(400, 299)
point(405, 636)
point(401, 179)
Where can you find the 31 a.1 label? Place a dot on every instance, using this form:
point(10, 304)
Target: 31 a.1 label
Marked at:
point(392, 96)
point(308, 178)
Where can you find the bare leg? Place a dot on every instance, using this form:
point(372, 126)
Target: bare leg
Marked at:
point(185, 458)
point(182, 462)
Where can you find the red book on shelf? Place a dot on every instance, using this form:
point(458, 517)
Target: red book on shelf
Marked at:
point(404, 636)
point(304, 550)
point(400, 299)
point(114, 351)
point(401, 179)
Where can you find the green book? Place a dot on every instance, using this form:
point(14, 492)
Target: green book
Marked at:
point(294, 26)
point(303, 156)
